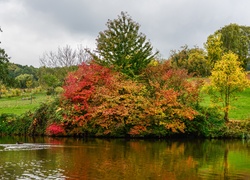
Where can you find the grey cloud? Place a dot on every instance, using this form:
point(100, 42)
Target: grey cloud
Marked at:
point(47, 24)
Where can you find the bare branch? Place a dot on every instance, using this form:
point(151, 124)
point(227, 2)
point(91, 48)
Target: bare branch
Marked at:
point(65, 57)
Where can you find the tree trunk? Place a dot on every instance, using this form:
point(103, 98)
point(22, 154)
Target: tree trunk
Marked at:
point(226, 115)
point(227, 99)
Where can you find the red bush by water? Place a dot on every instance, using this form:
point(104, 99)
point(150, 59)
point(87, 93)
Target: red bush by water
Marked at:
point(55, 130)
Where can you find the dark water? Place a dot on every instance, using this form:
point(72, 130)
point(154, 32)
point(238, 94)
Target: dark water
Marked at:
point(68, 158)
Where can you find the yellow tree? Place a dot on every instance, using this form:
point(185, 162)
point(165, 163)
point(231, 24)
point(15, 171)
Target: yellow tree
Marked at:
point(228, 78)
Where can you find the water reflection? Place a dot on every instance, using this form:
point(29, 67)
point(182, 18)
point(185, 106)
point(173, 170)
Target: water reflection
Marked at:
point(69, 158)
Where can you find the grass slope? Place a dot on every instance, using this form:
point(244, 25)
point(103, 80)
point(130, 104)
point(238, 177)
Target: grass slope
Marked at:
point(20, 105)
point(240, 108)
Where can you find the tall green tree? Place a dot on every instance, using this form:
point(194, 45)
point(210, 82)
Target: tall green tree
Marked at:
point(228, 78)
point(123, 47)
point(4, 59)
point(236, 38)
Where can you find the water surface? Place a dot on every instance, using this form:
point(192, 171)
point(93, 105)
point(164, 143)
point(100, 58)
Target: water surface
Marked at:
point(69, 158)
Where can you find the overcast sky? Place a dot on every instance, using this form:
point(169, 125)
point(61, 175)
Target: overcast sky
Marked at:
point(32, 27)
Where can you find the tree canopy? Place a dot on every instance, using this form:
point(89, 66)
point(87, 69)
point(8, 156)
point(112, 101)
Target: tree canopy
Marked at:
point(192, 59)
point(236, 38)
point(123, 46)
point(228, 78)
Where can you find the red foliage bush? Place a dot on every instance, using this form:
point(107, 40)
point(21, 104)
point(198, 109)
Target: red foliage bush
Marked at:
point(54, 130)
point(98, 100)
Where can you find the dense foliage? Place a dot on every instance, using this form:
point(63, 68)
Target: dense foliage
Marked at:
point(99, 101)
point(236, 38)
point(194, 60)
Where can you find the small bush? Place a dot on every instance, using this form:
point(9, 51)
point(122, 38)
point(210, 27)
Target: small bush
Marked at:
point(6, 123)
point(237, 129)
point(11, 124)
point(59, 90)
point(55, 130)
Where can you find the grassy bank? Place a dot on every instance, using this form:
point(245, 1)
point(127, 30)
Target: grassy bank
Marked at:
point(21, 104)
point(240, 108)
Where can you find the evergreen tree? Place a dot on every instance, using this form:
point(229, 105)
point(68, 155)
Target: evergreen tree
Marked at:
point(123, 47)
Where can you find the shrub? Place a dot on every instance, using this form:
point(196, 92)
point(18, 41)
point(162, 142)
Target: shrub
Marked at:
point(55, 130)
point(6, 123)
point(207, 123)
point(46, 113)
point(237, 129)
point(10, 124)
point(59, 90)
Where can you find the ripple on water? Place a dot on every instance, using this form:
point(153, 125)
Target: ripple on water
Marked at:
point(30, 170)
point(25, 146)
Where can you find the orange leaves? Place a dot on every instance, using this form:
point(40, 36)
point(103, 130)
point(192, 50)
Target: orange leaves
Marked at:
point(137, 130)
point(175, 125)
point(106, 103)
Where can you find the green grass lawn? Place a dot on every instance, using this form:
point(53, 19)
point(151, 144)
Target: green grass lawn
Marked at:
point(240, 108)
point(20, 105)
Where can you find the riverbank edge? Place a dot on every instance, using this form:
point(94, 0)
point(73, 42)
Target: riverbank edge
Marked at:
point(234, 129)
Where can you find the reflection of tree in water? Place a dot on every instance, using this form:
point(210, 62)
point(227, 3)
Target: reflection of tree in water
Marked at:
point(219, 158)
point(143, 159)
point(226, 163)
point(153, 159)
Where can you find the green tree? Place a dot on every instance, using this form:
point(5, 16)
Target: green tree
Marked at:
point(214, 50)
point(197, 63)
point(236, 39)
point(14, 70)
point(4, 59)
point(123, 47)
point(228, 78)
point(51, 82)
point(25, 80)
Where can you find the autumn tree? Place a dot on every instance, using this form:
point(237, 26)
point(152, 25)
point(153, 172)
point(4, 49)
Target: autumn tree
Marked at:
point(228, 78)
point(100, 101)
point(123, 47)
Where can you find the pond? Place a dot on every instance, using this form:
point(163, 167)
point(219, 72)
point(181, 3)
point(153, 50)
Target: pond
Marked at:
point(72, 158)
